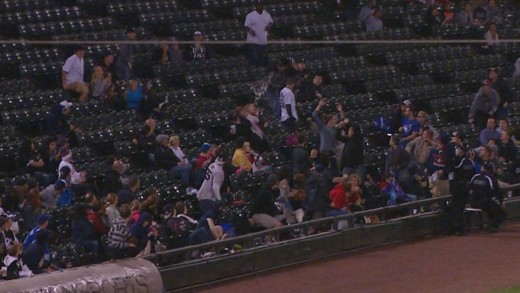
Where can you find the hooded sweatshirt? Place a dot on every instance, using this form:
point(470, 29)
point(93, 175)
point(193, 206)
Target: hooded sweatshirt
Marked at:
point(484, 103)
point(119, 233)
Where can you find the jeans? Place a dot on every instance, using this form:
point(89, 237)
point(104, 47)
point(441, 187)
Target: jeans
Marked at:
point(123, 71)
point(257, 55)
point(274, 102)
point(336, 213)
point(359, 170)
point(206, 205)
point(183, 173)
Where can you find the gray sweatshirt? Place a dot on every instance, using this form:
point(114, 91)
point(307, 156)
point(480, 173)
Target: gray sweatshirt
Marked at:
point(327, 135)
point(484, 103)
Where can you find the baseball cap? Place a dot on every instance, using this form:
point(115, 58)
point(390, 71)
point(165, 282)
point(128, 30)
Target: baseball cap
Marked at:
point(407, 102)
point(495, 69)
point(271, 180)
point(42, 219)
point(197, 33)
point(205, 147)
point(130, 30)
point(66, 104)
point(459, 134)
point(60, 183)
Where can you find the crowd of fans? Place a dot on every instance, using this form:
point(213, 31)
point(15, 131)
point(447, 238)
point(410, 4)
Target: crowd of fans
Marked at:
point(327, 175)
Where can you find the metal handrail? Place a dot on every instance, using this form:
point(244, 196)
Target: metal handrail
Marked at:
point(247, 241)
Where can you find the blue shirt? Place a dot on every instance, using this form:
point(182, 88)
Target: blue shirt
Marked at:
point(133, 98)
point(486, 135)
point(410, 126)
point(31, 237)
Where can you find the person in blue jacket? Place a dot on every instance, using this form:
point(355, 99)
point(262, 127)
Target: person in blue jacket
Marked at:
point(42, 222)
point(134, 95)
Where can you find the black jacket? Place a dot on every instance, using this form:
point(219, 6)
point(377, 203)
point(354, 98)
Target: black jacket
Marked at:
point(165, 158)
point(353, 153)
point(263, 203)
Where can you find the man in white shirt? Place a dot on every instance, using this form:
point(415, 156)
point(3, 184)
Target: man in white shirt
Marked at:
point(288, 116)
point(72, 74)
point(257, 24)
point(209, 191)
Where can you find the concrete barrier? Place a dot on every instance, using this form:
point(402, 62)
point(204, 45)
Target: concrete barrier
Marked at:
point(136, 275)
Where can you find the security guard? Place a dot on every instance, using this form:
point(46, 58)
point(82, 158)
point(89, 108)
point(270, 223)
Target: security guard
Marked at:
point(486, 195)
point(462, 172)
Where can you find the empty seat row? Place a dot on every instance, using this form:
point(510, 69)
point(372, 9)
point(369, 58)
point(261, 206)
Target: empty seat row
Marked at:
point(428, 54)
point(392, 83)
point(29, 99)
point(307, 54)
point(449, 103)
point(335, 64)
point(282, 9)
point(199, 66)
point(169, 17)
point(24, 115)
point(128, 7)
point(21, 5)
point(427, 92)
point(365, 73)
point(187, 29)
point(241, 74)
point(473, 62)
point(233, 3)
point(53, 28)
point(387, 34)
point(31, 55)
point(43, 15)
point(329, 29)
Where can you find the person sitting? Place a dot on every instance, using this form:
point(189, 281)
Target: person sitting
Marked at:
point(241, 155)
point(208, 228)
point(50, 194)
point(119, 241)
point(111, 207)
point(198, 51)
point(170, 52)
point(95, 215)
point(128, 194)
point(489, 133)
point(338, 199)
point(99, 84)
point(35, 256)
point(141, 231)
point(14, 263)
point(391, 188)
point(167, 160)
point(374, 22)
point(42, 222)
point(263, 209)
point(83, 233)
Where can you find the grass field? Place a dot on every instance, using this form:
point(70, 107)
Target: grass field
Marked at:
point(508, 290)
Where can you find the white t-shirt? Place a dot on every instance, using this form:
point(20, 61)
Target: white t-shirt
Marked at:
point(74, 67)
point(287, 98)
point(258, 22)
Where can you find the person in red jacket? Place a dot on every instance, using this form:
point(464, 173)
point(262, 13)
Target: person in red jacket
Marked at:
point(95, 216)
point(338, 196)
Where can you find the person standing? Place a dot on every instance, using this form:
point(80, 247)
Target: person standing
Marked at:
point(484, 105)
point(73, 72)
point(209, 191)
point(124, 57)
point(257, 24)
point(486, 195)
point(289, 116)
point(503, 88)
point(462, 172)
